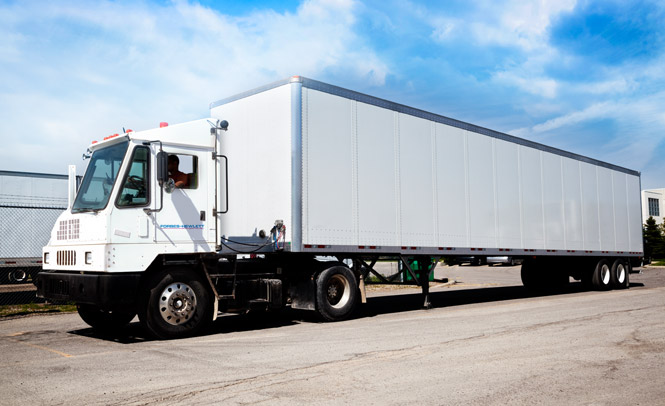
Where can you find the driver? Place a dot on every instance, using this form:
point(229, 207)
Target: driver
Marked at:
point(181, 179)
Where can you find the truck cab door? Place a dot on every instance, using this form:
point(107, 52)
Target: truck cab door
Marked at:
point(182, 224)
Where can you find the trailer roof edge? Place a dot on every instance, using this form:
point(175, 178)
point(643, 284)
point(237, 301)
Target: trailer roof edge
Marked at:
point(401, 108)
point(32, 175)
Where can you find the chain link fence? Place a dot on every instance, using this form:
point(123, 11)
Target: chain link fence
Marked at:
point(25, 227)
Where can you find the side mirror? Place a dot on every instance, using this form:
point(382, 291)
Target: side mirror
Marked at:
point(162, 167)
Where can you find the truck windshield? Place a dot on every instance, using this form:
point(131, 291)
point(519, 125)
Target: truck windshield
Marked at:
point(99, 178)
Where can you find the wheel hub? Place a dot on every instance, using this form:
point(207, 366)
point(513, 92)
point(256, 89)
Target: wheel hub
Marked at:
point(621, 273)
point(605, 274)
point(177, 303)
point(339, 291)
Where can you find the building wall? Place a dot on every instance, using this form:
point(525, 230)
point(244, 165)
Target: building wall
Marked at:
point(658, 194)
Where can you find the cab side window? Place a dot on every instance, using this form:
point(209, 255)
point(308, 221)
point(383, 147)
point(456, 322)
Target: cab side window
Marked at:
point(183, 170)
point(135, 185)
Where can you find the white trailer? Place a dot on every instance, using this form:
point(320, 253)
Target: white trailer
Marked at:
point(290, 193)
point(30, 203)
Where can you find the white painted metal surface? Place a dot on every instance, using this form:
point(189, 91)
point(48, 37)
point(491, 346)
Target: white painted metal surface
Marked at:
point(453, 188)
point(381, 176)
point(258, 147)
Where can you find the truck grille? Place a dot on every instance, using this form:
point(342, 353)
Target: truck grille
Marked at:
point(66, 257)
point(68, 230)
point(57, 287)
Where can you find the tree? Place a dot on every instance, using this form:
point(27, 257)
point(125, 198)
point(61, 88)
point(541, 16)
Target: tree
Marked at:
point(654, 242)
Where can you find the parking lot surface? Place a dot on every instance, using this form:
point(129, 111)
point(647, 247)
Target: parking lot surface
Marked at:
point(486, 341)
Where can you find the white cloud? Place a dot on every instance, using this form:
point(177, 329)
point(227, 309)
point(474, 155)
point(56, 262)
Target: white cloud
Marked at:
point(522, 26)
point(514, 23)
point(79, 70)
point(592, 112)
point(639, 127)
point(611, 86)
point(540, 86)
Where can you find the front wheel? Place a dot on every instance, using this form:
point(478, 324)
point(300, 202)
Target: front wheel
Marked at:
point(105, 320)
point(175, 304)
point(336, 293)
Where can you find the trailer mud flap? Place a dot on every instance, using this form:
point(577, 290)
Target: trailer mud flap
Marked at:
point(303, 294)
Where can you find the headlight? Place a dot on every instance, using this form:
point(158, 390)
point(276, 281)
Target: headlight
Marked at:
point(47, 257)
point(88, 257)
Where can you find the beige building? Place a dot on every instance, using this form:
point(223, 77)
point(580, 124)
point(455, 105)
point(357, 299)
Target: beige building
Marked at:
point(653, 204)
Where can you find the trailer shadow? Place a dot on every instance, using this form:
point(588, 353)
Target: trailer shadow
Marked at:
point(375, 306)
point(450, 298)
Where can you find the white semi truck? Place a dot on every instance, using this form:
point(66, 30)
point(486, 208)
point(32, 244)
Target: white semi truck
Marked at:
point(289, 194)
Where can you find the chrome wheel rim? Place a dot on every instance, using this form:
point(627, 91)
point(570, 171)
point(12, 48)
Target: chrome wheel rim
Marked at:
point(177, 303)
point(338, 291)
point(621, 273)
point(605, 274)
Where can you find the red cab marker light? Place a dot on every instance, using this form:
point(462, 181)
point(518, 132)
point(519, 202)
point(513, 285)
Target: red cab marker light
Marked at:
point(163, 124)
point(129, 130)
point(94, 142)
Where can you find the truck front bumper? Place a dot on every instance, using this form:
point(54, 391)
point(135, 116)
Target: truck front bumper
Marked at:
point(104, 290)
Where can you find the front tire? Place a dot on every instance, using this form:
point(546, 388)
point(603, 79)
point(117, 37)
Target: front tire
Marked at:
point(336, 293)
point(175, 304)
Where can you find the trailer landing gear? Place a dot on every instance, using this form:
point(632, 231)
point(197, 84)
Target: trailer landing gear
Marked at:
point(405, 276)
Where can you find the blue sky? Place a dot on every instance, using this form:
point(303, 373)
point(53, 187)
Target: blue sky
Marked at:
point(584, 76)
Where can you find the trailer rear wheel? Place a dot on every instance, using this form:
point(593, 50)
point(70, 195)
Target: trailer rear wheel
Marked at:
point(105, 320)
point(175, 304)
point(620, 274)
point(336, 293)
point(528, 273)
point(18, 275)
point(602, 276)
point(544, 274)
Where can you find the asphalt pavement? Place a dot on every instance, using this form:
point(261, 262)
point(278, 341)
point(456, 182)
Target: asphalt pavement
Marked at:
point(486, 341)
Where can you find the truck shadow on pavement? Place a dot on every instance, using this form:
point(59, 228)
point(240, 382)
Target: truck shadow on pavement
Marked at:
point(451, 297)
point(391, 303)
point(134, 333)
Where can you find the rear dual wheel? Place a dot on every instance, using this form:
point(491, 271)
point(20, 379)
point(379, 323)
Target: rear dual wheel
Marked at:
point(620, 275)
point(601, 279)
point(544, 274)
point(610, 275)
point(337, 293)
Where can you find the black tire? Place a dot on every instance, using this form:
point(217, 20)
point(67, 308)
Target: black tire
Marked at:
point(20, 275)
point(528, 275)
point(337, 293)
point(105, 320)
point(601, 278)
point(175, 303)
point(620, 278)
point(544, 275)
